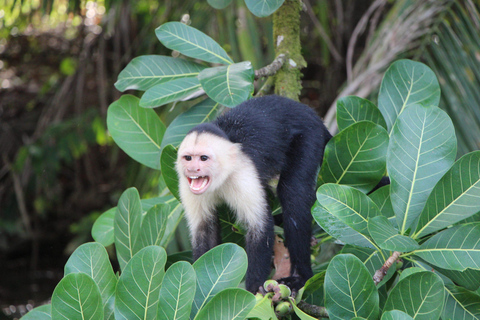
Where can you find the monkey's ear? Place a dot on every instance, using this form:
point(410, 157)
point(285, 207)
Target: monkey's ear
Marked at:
point(234, 151)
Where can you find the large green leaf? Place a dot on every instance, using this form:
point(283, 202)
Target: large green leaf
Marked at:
point(228, 304)
point(263, 8)
point(356, 156)
point(422, 148)
point(167, 163)
point(39, 313)
point(138, 131)
point(461, 304)
point(154, 224)
point(348, 204)
point(404, 84)
point(387, 237)
point(352, 109)
point(127, 226)
point(457, 248)
point(263, 309)
point(92, 259)
point(138, 287)
point(338, 229)
point(177, 292)
point(421, 295)
point(454, 198)
point(144, 72)
point(191, 42)
point(349, 289)
point(170, 91)
point(205, 111)
point(102, 230)
point(395, 315)
point(220, 268)
point(77, 297)
point(228, 85)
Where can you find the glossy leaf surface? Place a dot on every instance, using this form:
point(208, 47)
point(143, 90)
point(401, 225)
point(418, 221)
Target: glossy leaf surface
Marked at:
point(144, 72)
point(137, 131)
point(425, 292)
point(220, 268)
point(353, 109)
point(349, 289)
point(191, 42)
point(356, 156)
point(177, 292)
point(138, 287)
point(228, 85)
point(454, 198)
point(263, 8)
point(387, 237)
point(229, 304)
point(170, 91)
point(406, 83)
point(167, 162)
point(77, 297)
point(422, 148)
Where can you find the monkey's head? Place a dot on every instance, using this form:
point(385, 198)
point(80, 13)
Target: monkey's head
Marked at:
point(205, 160)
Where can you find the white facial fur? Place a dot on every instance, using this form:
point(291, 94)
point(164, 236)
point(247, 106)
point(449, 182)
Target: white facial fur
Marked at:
point(232, 178)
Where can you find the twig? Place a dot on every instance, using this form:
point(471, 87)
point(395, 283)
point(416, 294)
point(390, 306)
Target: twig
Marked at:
point(272, 68)
point(380, 273)
point(336, 55)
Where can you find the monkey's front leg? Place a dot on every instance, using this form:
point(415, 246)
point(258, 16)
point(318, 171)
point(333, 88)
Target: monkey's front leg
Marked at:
point(205, 236)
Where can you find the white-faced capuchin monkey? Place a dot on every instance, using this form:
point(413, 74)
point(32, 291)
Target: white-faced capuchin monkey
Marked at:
point(232, 159)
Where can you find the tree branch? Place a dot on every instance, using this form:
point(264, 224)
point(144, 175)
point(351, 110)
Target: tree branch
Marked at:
point(313, 310)
point(380, 274)
point(272, 68)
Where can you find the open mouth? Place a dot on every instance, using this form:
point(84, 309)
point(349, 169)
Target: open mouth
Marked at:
point(198, 184)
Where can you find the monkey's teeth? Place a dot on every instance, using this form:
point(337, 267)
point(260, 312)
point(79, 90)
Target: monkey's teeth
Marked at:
point(198, 188)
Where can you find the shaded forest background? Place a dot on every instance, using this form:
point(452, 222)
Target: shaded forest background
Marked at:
point(60, 169)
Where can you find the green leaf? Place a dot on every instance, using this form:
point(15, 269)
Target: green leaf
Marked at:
point(228, 85)
point(92, 259)
point(348, 204)
point(220, 268)
point(177, 292)
point(349, 289)
point(205, 111)
point(404, 84)
point(263, 8)
point(191, 42)
point(469, 279)
point(167, 92)
point(219, 4)
point(461, 304)
point(387, 237)
point(138, 131)
point(372, 259)
point(356, 156)
point(39, 313)
point(381, 197)
point(127, 226)
point(422, 148)
point(338, 229)
point(353, 109)
point(425, 292)
point(228, 304)
point(77, 297)
point(263, 309)
point(395, 315)
point(167, 162)
point(144, 72)
point(102, 230)
point(454, 198)
point(138, 287)
point(457, 248)
point(154, 224)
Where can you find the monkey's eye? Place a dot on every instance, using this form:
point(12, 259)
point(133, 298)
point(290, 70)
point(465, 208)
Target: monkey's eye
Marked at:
point(204, 158)
point(188, 158)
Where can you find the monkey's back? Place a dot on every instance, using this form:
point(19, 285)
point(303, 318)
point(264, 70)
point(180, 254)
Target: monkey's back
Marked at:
point(266, 127)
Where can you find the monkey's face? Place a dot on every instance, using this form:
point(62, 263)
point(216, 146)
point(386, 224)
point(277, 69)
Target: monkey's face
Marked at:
point(203, 162)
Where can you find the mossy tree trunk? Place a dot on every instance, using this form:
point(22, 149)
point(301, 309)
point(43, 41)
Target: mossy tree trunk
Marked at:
point(286, 34)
